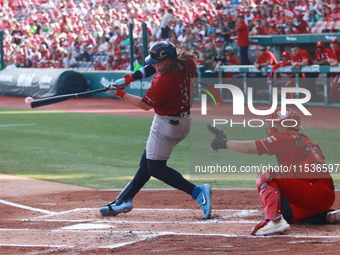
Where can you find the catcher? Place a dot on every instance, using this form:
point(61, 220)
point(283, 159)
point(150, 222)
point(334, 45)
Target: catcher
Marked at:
point(297, 196)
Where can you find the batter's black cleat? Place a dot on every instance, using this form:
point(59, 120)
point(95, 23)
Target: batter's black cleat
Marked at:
point(112, 209)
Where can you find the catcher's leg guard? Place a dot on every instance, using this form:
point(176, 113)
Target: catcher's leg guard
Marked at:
point(270, 196)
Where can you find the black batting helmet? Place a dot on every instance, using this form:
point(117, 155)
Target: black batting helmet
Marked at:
point(161, 51)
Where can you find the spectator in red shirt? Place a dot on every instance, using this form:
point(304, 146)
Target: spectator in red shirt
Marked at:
point(290, 29)
point(257, 30)
point(110, 62)
point(301, 58)
point(256, 15)
point(265, 27)
point(125, 62)
point(243, 38)
point(334, 60)
point(266, 58)
point(258, 24)
point(226, 58)
point(281, 30)
point(334, 15)
point(97, 65)
point(115, 65)
point(321, 53)
point(43, 63)
point(285, 62)
point(302, 26)
point(273, 29)
point(280, 17)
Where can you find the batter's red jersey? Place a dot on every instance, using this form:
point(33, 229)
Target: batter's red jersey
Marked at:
point(269, 55)
point(301, 56)
point(322, 56)
point(170, 93)
point(243, 36)
point(294, 149)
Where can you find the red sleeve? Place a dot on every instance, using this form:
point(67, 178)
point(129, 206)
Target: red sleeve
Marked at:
point(276, 66)
point(304, 55)
point(317, 56)
point(241, 27)
point(327, 53)
point(272, 57)
point(259, 59)
point(272, 145)
point(284, 63)
point(337, 55)
point(233, 60)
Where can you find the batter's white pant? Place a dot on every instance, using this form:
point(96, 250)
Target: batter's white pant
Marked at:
point(164, 136)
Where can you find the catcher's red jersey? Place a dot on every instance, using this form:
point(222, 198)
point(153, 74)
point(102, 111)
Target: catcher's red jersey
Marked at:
point(294, 149)
point(170, 92)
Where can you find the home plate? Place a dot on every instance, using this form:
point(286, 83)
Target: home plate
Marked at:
point(89, 226)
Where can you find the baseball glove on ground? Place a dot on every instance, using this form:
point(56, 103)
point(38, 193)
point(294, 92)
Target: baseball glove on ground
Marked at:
point(220, 138)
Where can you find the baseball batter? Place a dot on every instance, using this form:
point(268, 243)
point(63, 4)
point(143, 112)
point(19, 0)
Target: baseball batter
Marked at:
point(170, 97)
point(301, 195)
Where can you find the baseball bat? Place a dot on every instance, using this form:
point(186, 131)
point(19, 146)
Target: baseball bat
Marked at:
point(61, 98)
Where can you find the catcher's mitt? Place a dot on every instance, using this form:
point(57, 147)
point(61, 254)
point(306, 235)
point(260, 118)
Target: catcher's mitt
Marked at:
point(220, 137)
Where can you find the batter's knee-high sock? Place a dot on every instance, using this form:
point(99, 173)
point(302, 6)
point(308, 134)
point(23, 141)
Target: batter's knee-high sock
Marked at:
point(141, 177)
point(159, 170)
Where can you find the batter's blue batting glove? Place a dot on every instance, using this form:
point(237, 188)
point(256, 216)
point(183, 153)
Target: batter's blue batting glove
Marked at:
point(113, 91)
point(124, 82)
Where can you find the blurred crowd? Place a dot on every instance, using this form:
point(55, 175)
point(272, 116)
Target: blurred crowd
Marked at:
point(93, 34)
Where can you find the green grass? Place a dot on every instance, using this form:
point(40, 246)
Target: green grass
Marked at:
point(103, 151)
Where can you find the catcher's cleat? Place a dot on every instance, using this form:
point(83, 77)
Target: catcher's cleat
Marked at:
point(112, 209)
point(269, 227)
point(333, 217)
point(204, 200)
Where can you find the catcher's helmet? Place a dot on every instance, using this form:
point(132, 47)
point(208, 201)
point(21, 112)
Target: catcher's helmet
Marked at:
point(291, 119)
point(161, 51)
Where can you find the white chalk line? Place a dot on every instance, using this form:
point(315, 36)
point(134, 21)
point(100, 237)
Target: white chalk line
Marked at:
point(17, 125)
point(114, 246)
point(242, 213)
point(146, 235)
point(38, 246)
point(151, 222)
point(26, 207)
point(180, 233)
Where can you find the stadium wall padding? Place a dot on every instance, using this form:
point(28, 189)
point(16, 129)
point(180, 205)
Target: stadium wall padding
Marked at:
point(40, 83)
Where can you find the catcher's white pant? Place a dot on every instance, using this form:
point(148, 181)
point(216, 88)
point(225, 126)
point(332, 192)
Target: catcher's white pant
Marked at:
point(165, 134)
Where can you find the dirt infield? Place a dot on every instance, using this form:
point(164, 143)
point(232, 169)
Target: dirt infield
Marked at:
point(40, 217)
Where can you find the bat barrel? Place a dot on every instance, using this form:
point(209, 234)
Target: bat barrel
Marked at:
point(50, 100)
point(61, 98)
